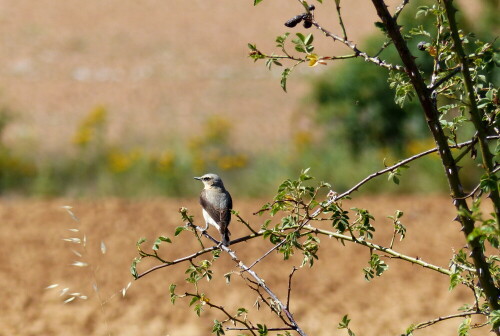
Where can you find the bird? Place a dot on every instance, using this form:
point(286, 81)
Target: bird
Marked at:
point(217, 205)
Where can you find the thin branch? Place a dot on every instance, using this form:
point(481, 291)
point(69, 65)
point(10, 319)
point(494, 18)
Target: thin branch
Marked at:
point(290, 287)
point(245, 223)
point(391, 168)
point(384, 46)
point(399, 9)
point(475, 190)
point(223, 310)
point(269, 329)
point(263, 285)
point(444, 79)
point(341, 22)
point(267, 253)
point(358, 52)
point(394, 254)
point(177, 261)
point(444, 318)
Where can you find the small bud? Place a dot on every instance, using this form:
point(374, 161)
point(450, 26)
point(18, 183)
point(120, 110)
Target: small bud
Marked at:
point(422, 46)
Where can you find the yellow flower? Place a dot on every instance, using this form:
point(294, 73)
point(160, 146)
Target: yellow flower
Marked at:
point(313, 59)
point(165, 161)
point(228, 162)
point(90, 127)
point(96, 117)
point(119, 161)
point(302, 140)
point(82, 136)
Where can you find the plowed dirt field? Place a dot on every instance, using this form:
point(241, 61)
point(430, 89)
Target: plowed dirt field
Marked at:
point(35, 256)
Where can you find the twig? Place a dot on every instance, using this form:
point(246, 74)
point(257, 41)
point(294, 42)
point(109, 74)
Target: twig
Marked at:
point(399, 9)
point(380, 248)
point(341, 22)
point(187, 258)
point(263, 285)
point(385, 45)
point(223, 310)
point(391, 168)
point(444, 318)
point(270, 329)
point(267, 253)
point(444, 79)
point(290, 287)
point(245, 223)
point(358, 52)
point(479, 185)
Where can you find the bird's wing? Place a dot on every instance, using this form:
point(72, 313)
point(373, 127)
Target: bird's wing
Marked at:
point(219, 211)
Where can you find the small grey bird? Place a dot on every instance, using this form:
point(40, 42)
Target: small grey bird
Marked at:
point(217, 204)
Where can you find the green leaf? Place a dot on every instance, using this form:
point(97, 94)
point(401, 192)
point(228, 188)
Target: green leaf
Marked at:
point(173, 296)
point(309, 39)
point(198, 309)
point(494, 319)
point(179, 229)
point(305, 4)
point(377, 267)
point(262, 328)
point(344, 323)
point(256, 2)
point(284, 77)
point(454, 280)
point(159, 240)
point(133, 267)
point(194, 300)
point(241, 311)
point(217, 328)
point(464, 327)
point(140, 241)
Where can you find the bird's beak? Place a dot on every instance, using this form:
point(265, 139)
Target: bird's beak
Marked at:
point(197, 178)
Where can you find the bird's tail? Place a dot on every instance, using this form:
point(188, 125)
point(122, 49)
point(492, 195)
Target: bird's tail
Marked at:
point(225, 236)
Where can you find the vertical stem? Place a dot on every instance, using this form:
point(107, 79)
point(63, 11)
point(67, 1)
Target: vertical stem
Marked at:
point(341, 22)
point(487, 156)
point(451, 170)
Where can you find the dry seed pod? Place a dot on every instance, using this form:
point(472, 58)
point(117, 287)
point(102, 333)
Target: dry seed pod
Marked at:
point(295, 20)
point(307, 21)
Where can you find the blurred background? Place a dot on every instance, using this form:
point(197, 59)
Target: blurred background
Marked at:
point(108, 106)
point(134, 98)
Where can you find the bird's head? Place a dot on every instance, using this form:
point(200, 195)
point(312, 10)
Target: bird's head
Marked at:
point(211, 181)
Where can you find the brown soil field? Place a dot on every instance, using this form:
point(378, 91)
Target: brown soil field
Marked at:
point(35, 256)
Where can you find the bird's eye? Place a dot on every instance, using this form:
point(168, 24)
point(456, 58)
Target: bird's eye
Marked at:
point(206, 178)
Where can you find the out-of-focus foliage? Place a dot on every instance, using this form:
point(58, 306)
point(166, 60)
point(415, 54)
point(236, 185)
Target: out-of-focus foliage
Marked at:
point(355, 101)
